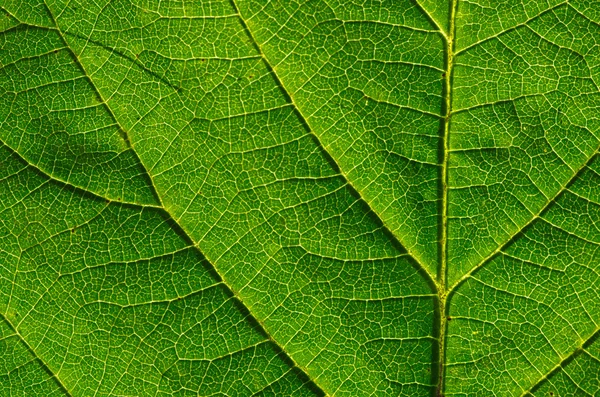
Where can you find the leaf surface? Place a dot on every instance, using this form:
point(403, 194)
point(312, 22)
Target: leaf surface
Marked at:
point(342, 198)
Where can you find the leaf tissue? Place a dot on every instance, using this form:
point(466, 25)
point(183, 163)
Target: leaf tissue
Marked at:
point(299, 198)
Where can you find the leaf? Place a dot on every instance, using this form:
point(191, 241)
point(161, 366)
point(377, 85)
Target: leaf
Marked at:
point(250, 197)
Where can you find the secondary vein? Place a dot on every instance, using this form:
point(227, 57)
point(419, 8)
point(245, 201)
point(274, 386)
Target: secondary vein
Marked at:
point(534, 217)
point(303, 118)
point(167, 212)
point(566, 359)
point(54, 376)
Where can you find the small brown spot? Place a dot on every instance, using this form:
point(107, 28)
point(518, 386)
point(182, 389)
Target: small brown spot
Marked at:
point(449, 318)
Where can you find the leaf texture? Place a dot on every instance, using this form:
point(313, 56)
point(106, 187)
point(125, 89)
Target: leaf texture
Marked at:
point(290, 198)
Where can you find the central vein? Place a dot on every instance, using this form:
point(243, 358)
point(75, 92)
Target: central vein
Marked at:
point(442, 271)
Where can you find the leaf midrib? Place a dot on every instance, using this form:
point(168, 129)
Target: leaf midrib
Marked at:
point(442, 279)
point(447, 290)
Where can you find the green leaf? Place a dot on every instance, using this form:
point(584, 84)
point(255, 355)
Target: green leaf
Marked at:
point(299, 198)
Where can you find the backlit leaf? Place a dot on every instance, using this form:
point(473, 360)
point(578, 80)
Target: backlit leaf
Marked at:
point(299, 198)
